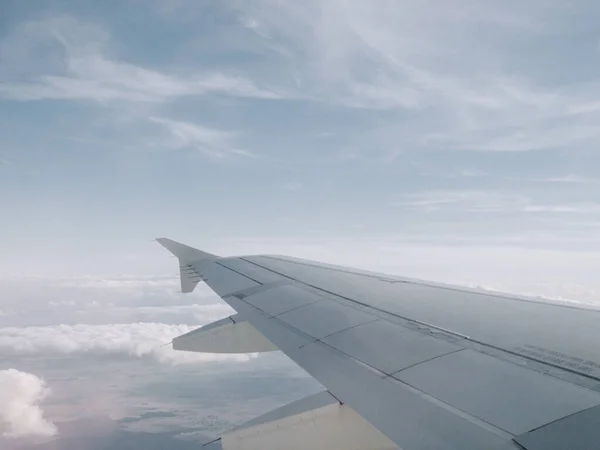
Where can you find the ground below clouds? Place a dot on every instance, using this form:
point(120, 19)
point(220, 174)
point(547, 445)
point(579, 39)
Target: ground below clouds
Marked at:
point(101, 402)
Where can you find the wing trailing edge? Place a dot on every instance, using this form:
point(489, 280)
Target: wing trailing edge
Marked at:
point(230, 335)
point(318, 421)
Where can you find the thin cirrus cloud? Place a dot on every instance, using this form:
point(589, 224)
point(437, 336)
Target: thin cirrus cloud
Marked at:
point(79, 68)
point(398, 58)
point(484, 201)
point(471, 200)
point(448, 90)
point(211, 142)
point(21, 415)
point(382, 78)
point(98, 79)
point(570, 178)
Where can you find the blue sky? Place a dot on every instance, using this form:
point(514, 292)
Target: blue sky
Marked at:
point(209, 121)
point(455, 141)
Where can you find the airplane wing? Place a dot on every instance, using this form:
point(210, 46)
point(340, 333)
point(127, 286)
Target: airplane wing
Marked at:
point(405, 363)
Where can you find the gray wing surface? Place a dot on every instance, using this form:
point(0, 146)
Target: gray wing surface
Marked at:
point(431, 366)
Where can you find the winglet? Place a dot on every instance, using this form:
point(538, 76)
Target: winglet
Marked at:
point(190, 261)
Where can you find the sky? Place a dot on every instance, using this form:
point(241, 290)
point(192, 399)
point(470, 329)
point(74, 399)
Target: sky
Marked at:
point(455, 141)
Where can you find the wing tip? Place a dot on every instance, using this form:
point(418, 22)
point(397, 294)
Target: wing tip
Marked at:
point(184, 252)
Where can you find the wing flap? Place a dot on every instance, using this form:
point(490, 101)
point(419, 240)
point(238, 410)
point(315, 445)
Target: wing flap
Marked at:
point(230, 335)
point(318, 421)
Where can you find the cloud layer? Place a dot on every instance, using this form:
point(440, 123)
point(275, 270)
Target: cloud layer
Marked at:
point(74, 64)
point(137, 340)
point(20, 413)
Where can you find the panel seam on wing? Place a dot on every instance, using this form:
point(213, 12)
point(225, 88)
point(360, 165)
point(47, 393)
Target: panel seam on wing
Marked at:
point(462, 336)
point(365, 305)
point(346, 329)
point(385, 376)
point(426, 361)
point(239, 273)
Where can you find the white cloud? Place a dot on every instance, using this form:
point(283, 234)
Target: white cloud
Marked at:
point(98, 300)
point(464, 200)
point(213, 143)
point(469, 173)
point(454, 73)
point(201, 314)
point(137, 340)
point(575, 208)
point(294, 186)
point(489, 201)
point(397, 56)
point(20, 413)
point(122, 282)
point(570, 178)
point(574, 178)
point(381, 54)
point(98, 79)
point(82, 70)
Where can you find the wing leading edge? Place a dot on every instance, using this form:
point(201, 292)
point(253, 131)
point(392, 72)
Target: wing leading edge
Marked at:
point(430, 366)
